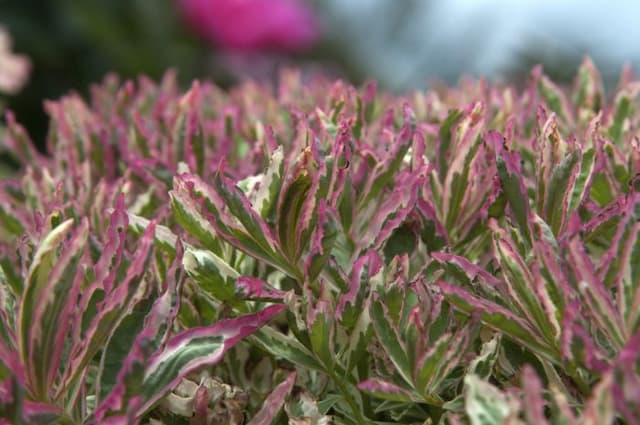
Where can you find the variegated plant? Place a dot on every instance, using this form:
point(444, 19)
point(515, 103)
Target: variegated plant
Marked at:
point(88, 332)
point(461, 256)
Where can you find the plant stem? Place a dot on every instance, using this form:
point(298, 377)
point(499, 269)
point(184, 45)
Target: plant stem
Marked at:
point(347, 396)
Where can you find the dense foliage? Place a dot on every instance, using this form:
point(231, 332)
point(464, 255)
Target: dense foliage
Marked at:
point(317, 253)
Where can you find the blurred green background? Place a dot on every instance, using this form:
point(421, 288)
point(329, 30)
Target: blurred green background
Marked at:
point(74, 43)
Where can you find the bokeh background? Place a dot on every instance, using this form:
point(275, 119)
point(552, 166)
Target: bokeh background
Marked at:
point(62, 45)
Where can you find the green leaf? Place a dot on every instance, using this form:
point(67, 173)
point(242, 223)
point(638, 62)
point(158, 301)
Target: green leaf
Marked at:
point(622, 110)
point(482, 365)
point(285, 347)
point(516, 197)
point(555, 99)
point(459, 186)
point(356, 348)
point(266, 196)
point(524, 292)
point(584, 176)
point(403, 240)
point(439, 361)
point(446, 135)
point(289, 215)
point(163, 236)
point(46, 308)
point(192, 221)
point(500, 319)
point(560, 191)
point(390, 340)
point(118, 346)
point(213, 275)
point(321, 334)
point(9, 223)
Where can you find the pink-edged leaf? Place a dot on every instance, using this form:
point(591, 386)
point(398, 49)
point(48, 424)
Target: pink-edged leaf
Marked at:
point(388, 391)
point(440, 359)
point(107, 267)
point(163, 236)
point(627, 277)
point(445, 141)
point(240, 207)
point(433, 233)
point(47, 306)
point(499, 319)
point(577, 344)
point(342, 156)
point(588, 89)
point(157, 373)
point(564, 171)
point(213, 275)
point(110, 311)
point(40, 267)
point(524, 286)
point(197, 347)
point(513, 186)
point(265, 196)
point(490, 285)
point(350, 303)
point(187, 135)
point(561, 186)
point(619, 266)
point(272, 404)
point(298, 189)
point(322, 240)
point(600, 223)
point(555, 98)
point(390, 213)
point(596, 295)
point(384, 172)
point(459, 185)
point(252, 288)
point(153, 318)
point(18, 141)
point(193, 222)
point(231, 228)
point(389, 337)
point(53, 315)
point(321, 170)
point(587, 166)
point(552, 267)
point(286, 347)
point(390, 220)
point(621, 110)
point(320, 325)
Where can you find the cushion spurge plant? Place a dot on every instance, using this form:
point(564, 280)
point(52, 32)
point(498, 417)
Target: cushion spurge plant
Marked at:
point(319, 253)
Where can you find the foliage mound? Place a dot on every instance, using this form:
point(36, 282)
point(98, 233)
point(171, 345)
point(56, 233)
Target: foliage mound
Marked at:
point(317, 253)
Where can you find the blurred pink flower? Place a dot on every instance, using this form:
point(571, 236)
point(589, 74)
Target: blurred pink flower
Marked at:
point(253, 25)
point(14, 69)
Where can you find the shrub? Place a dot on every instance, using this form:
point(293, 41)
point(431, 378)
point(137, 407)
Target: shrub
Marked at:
point(470, 255)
